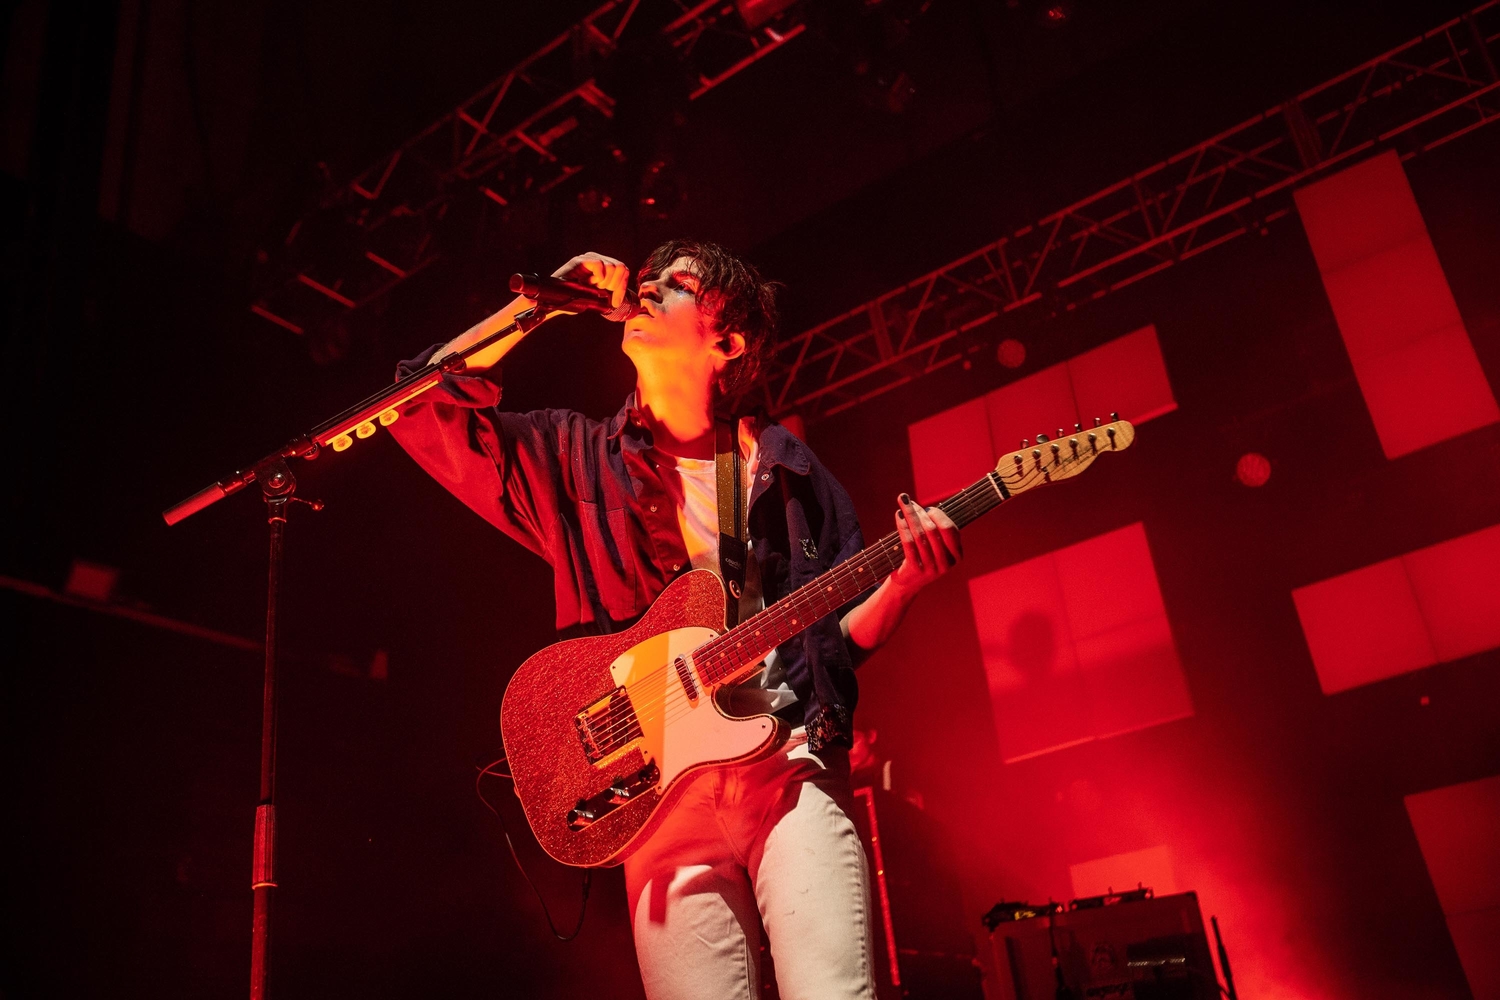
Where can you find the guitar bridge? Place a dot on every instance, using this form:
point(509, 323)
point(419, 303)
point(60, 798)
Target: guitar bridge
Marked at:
point(607, 726)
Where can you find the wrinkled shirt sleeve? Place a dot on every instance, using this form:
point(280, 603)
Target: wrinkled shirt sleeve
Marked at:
point(504, 466)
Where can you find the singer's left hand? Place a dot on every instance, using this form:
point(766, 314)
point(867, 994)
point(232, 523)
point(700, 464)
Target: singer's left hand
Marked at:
point(600, 271)
point(930, 545)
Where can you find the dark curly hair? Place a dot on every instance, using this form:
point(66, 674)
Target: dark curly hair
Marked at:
point(736, 299)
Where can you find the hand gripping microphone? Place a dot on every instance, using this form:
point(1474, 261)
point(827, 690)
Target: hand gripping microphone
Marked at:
point(573, 297)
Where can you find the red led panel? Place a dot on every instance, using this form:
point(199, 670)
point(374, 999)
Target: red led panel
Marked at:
point(1125, 376)
point(1363, 626)
point(1416, 367)
point(950, 450)
point(1120, 633)
point(1037, 403)
point(1027, 647)
point(1457, 828)
point(1457, 584)
point(1435, 604)
point(1151, 867)
point(1076, 645)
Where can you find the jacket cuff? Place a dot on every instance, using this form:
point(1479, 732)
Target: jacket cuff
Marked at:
point(474, 391)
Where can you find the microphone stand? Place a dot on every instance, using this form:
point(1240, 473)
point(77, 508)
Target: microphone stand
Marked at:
point(278, 486)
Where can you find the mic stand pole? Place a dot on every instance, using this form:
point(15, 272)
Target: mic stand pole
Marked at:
point(277, 486)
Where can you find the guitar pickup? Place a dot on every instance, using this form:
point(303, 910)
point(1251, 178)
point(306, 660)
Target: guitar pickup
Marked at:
point(624, 788)
point(685, 675)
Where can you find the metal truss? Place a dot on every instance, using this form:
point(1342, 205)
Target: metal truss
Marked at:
point(1413, 98)
point(542, 123)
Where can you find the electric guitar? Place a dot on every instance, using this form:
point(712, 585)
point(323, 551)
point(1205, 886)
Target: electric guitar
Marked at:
point(600, 731)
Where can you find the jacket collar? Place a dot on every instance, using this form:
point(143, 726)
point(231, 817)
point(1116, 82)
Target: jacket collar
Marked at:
point(778, 446)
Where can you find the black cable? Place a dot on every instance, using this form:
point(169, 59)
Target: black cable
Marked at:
point(588, 874)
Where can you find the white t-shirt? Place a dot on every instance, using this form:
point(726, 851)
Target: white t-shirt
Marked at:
point(695, 490)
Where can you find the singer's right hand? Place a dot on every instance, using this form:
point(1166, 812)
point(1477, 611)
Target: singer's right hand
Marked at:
point(600, 271)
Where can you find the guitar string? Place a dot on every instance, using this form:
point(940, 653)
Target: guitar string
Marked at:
point(675, 703)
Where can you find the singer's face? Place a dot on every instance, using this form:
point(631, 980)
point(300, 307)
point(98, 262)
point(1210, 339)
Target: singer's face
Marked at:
point(672, 325)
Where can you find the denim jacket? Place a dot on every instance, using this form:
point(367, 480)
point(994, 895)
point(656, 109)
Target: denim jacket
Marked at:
point(586, 496)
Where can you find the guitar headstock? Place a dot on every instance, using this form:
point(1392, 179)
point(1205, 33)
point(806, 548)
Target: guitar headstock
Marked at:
point(1050, 459)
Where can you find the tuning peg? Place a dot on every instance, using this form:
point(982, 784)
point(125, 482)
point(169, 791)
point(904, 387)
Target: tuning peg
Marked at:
point(1096, 421)
point(1114, 418)
point(1093, 442)
point(1077, 428)
point(1025, 443)
point(1041, 438)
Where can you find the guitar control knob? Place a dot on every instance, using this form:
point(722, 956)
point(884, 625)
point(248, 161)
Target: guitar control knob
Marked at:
point(581, 815)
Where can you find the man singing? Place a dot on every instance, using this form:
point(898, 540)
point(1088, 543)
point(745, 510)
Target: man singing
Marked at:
point(620, 508)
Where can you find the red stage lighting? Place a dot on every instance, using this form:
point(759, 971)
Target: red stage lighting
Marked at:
point(1457, 828)
point(1012, 353)
point(1253, 469)
point(1411, 354)
point(1430, 606)
point(1127, 375)
point(1076, 645)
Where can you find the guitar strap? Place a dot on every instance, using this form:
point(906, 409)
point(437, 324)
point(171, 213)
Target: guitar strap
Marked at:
point(730, 487)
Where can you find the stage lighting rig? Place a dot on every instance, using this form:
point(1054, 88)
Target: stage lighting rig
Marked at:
point(548, 119)
point(1414, 98)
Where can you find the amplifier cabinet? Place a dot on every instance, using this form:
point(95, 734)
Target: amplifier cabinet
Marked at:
point(1148, 949)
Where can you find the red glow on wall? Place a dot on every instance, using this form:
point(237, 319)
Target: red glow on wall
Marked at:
point(1411, 354)
point(1076, 645)
point(1435, 604)
point(1151, 867)
point(1128, 376)
point(950, 450)
point(1457, 828)
point(1041, 402)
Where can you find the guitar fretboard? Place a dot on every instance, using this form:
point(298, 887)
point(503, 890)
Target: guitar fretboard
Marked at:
point(732, 656)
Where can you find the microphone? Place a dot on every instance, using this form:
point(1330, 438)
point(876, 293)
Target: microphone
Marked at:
point(569, 295)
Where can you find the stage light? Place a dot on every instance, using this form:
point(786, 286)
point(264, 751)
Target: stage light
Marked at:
point(1055, 15)
point(1011, 353)
point(661, 191)
point(1253, 469)
point(593, 199)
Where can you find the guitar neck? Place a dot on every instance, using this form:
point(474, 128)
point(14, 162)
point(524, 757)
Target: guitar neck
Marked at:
point(734, 655)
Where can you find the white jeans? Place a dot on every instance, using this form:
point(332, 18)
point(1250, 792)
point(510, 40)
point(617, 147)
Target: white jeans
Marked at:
point(775, 837)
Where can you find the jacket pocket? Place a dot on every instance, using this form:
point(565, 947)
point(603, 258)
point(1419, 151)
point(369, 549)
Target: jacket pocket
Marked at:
point(611, 557)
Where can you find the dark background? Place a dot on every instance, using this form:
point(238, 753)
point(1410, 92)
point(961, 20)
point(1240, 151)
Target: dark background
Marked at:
point(132, 232)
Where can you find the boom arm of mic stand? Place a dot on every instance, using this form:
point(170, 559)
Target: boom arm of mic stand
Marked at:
point(310, 444)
